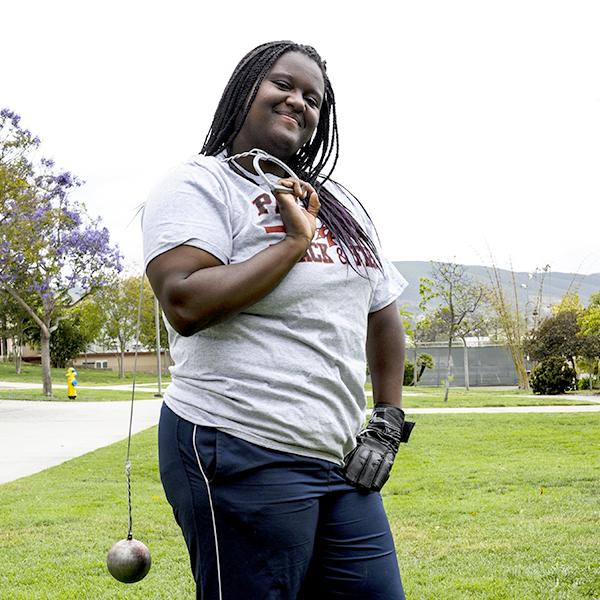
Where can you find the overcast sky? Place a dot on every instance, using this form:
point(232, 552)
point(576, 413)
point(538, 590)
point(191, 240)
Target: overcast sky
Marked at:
point(469, 129)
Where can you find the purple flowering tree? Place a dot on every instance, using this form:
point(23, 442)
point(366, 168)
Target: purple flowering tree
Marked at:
point(52, 254)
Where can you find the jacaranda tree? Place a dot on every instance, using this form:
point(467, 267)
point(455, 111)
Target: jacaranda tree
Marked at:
point(52, 254)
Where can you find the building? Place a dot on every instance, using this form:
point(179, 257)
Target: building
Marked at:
point(146, 361)
point(489, 364)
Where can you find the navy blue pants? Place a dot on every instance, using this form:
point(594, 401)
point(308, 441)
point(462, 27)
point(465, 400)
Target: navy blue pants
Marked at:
point(266, 525)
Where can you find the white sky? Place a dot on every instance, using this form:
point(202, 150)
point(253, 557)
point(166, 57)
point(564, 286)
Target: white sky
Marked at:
point(467, 127)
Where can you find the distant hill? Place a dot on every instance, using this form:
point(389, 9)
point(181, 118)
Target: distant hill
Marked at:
point(553, 285)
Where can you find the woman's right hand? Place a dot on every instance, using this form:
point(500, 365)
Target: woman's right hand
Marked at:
point(299, 222)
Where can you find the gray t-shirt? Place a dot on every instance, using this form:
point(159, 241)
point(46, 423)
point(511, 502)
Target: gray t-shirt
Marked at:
point(288, 372)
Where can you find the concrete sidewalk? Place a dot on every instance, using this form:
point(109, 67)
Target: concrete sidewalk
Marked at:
point(577, 408)
point(38, 435)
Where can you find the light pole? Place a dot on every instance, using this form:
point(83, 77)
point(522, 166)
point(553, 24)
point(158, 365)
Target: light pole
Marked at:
point(158, 369)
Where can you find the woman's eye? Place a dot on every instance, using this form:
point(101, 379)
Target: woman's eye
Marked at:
point(284, 85)
point(313, 102)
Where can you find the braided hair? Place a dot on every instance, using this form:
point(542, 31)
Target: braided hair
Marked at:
point(310, 159)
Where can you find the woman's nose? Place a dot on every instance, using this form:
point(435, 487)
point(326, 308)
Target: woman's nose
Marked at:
point(296, 100)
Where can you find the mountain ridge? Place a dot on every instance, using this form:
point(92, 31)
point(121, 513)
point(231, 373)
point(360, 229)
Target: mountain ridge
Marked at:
point(539, 288)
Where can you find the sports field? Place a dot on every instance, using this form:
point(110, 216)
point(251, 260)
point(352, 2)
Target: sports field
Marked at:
point(497, 506)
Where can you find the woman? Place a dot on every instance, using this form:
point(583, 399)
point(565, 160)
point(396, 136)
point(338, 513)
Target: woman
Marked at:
point(273, 287)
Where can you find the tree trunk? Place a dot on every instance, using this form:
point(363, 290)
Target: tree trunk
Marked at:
point(45, 352)
point(122, 364)
point(45, 332)
point(466, 351)
point(448, 371)
point(18, 353)
point(4, 340)
point(415, 376)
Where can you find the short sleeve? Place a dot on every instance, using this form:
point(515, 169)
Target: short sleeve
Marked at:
point(389, 287)
point(188, 207)
point(389, 284)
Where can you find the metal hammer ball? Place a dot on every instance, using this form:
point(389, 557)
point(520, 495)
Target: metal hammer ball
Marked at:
point(128, 561)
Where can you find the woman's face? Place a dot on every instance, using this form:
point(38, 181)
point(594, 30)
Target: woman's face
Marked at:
point(285, 111)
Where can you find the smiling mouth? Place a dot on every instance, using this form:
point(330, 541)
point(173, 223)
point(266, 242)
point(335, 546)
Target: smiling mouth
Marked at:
point(289, 117)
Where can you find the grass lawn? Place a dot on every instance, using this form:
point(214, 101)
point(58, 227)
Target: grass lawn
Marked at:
point(427, 397)
point(33, 374)
point(482, 506)
point(499, 507)
point(433, 397)
point(60, 395)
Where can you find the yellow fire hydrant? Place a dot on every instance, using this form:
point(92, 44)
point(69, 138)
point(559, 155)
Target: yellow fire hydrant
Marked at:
point(72, 383)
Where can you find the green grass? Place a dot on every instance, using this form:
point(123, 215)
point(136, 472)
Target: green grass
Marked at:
point(33, 374)
point(56, 528)
point(481, 506)
point(428, 397)
point(434, 397)
point(85, 395)
point(499, 506)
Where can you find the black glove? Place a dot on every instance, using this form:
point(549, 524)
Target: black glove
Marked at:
point(368, 465)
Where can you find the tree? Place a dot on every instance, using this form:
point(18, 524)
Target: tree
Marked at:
point(589, 367)
point(119, 305)
point(3, 336)
point(569, 334)
point(16, 145)
point(66, 343)
point(511, 323)
point(52, 254)
point(148, 324)
point(419, 329)
point(424, 361)
point(15, 325)
point(409, 374)
point(459, 297)
point(589, 329)
point(474, 324)
point(79, 327)
point(556, 336)
point(570, 302)
point(589, 319)
point(90, 319)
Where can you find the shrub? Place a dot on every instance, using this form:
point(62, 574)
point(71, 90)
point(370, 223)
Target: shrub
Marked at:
point(409, 373)
point(585, 383)
point(424, 361)
point(552, 376)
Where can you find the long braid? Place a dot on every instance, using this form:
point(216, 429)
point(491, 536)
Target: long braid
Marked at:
point(311, 159)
